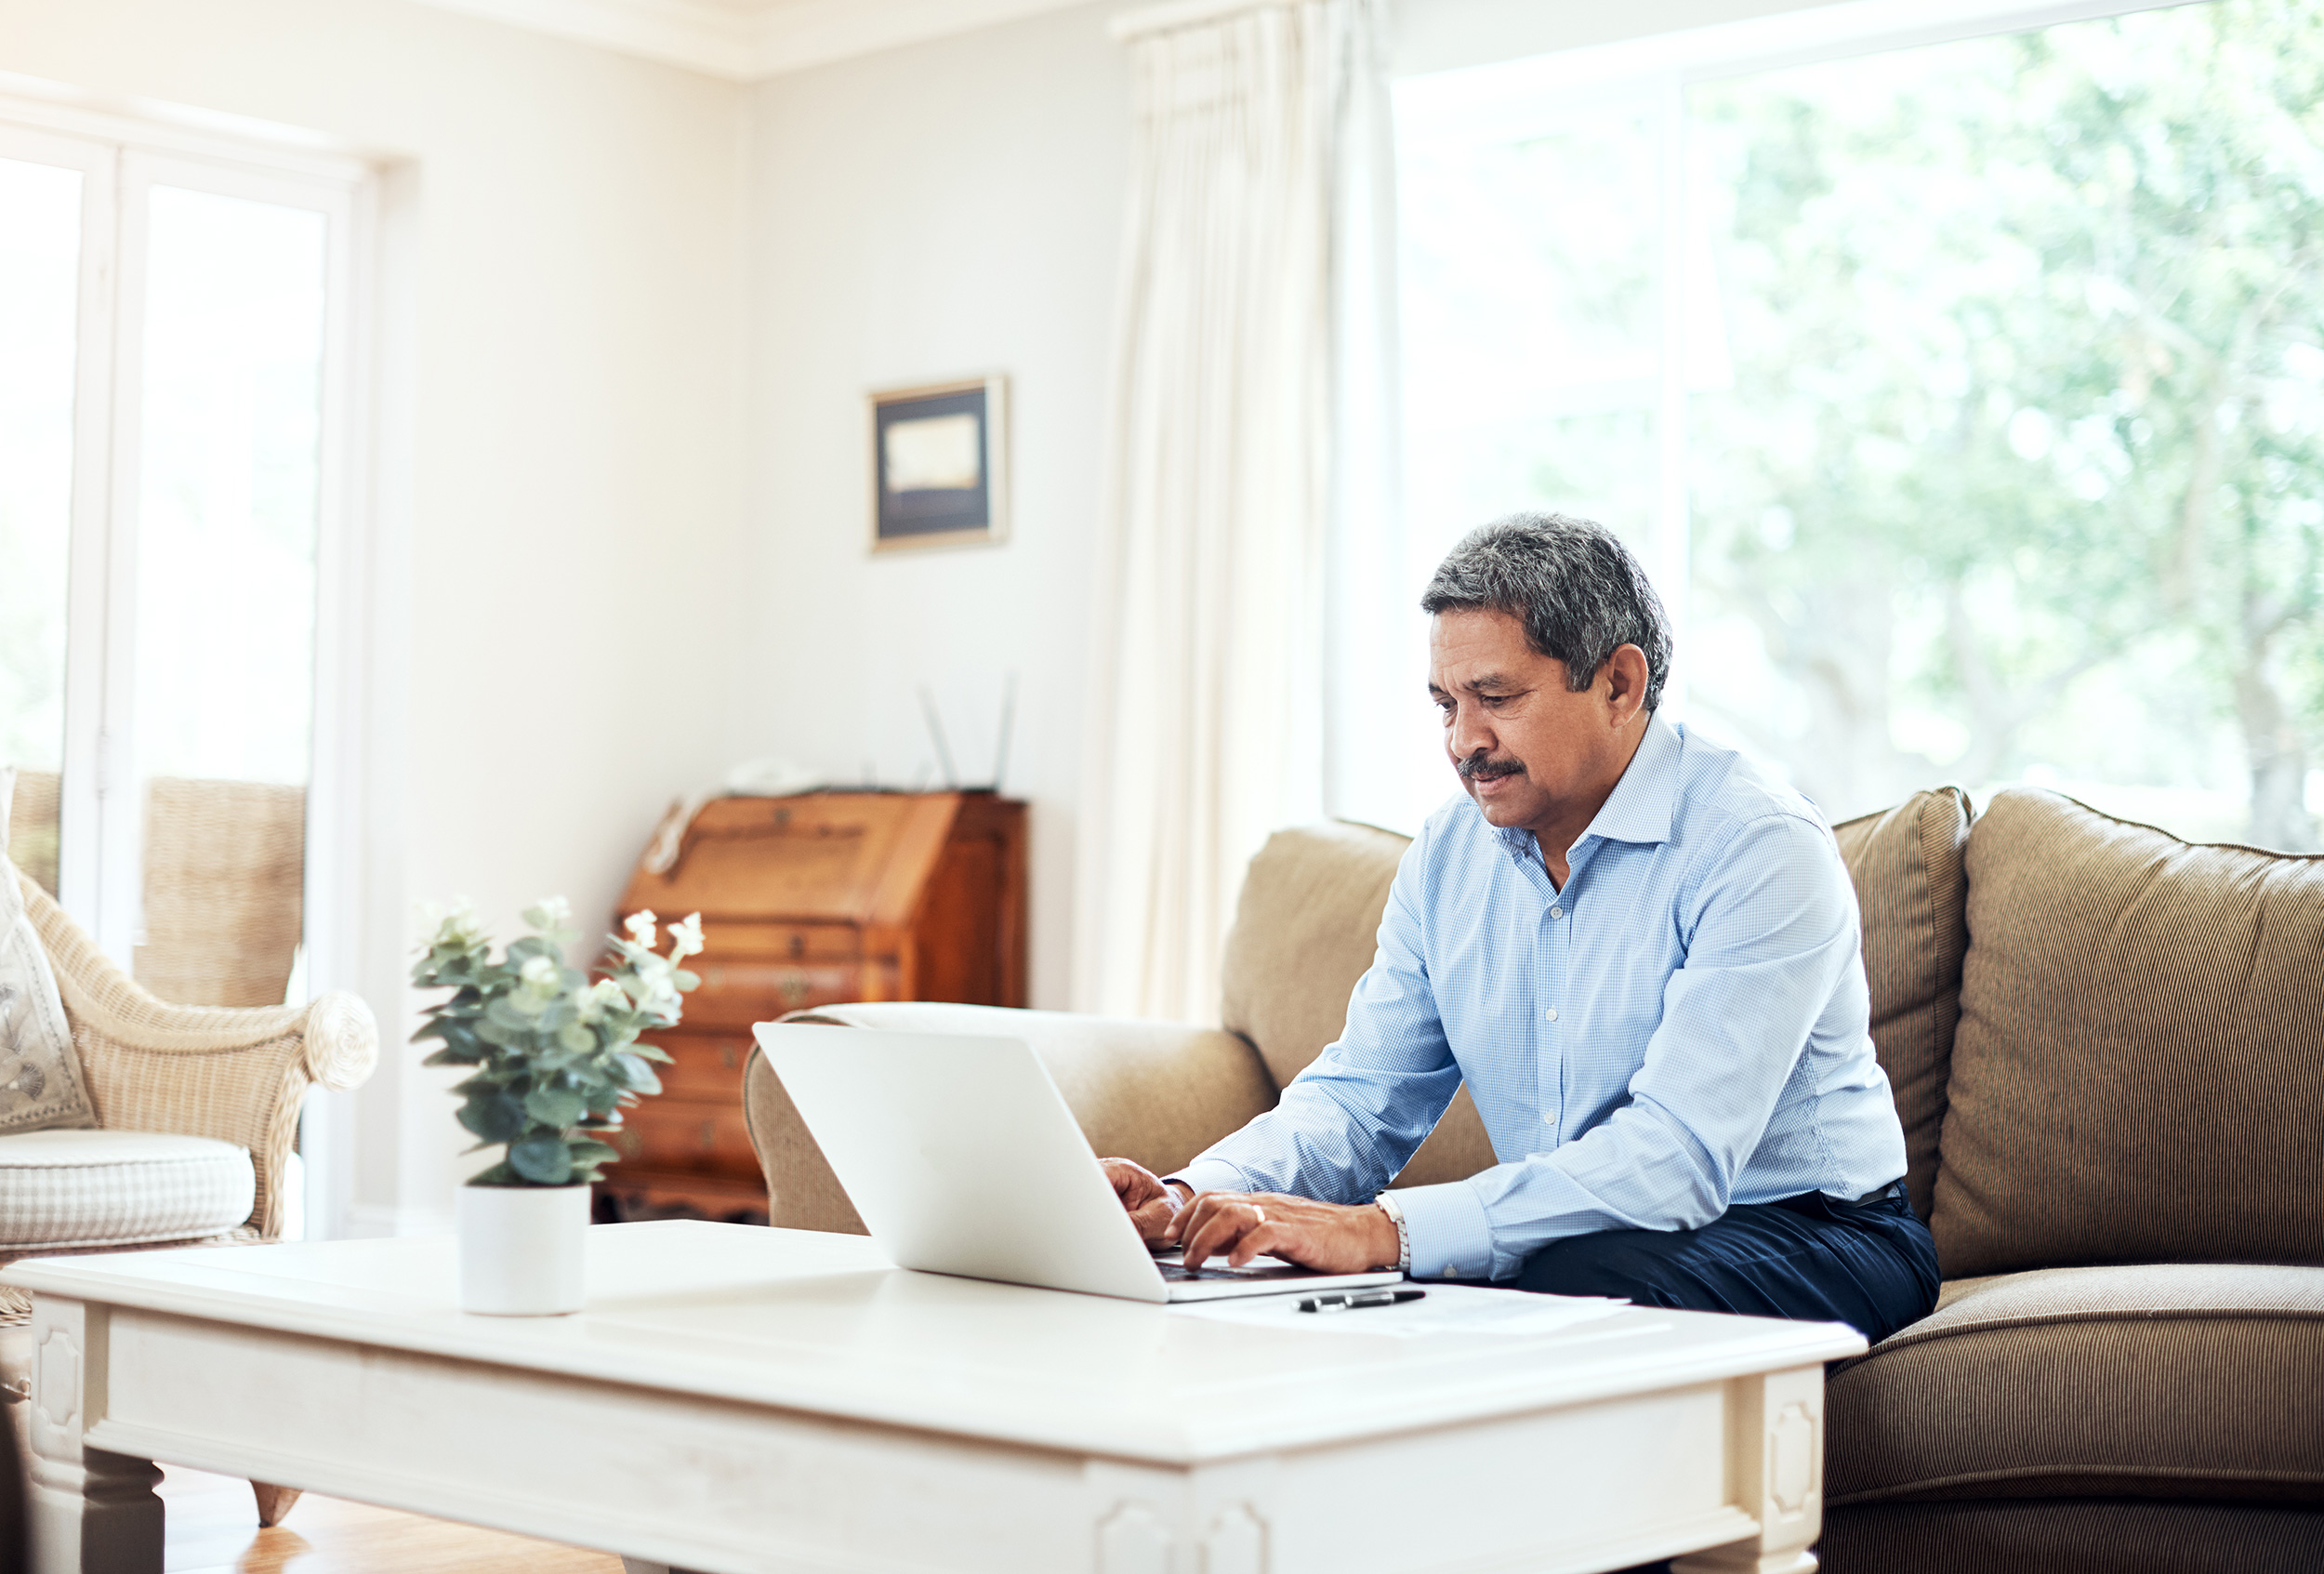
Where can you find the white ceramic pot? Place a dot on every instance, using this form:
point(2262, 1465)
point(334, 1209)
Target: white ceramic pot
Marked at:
point(522, 1250)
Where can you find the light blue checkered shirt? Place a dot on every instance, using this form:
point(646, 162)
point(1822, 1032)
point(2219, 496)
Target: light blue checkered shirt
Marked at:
point(1682, 1028)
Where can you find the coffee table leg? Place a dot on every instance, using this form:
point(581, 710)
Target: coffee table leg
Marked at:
point(1776, 1474)
point(92, 1511)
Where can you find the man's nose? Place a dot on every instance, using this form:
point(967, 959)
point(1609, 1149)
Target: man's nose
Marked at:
point(1469, 731)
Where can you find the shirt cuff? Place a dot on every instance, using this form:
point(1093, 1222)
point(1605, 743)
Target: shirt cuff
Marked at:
point(1209, 1175)
point(1448, 1232)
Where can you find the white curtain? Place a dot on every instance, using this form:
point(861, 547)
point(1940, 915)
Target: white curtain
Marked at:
point(1208, 717)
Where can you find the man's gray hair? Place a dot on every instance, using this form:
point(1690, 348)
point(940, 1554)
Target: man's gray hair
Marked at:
point(1574, 587)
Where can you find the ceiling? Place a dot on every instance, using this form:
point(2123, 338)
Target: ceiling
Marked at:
point(748, 39)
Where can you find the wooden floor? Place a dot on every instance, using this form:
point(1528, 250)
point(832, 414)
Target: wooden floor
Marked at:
point(214, 1529)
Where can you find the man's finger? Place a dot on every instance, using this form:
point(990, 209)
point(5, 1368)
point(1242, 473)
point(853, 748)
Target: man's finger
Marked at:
point(1256, 1240)
point(1213, 1238)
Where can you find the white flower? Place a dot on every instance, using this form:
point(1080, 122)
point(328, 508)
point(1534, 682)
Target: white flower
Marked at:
point(458, 928)
point(539, 972)
point(686, 936)
point(640, 927)
point(549, 912)
point(600, 998)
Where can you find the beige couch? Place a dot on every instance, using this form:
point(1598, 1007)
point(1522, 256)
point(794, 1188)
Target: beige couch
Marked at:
point(2107, 1050)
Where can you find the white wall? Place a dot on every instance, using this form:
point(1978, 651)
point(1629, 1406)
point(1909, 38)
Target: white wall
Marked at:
point(563, 371)
point(948, 208)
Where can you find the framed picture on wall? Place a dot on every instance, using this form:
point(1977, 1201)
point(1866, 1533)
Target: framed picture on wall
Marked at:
point(940, 470)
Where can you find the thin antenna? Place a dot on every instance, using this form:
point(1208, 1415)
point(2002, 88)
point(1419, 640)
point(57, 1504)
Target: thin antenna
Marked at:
point(936, 731)
point(1008, 722)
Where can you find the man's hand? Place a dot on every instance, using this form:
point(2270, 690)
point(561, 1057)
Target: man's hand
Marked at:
point(1151, 1202)
point(1241, 1225)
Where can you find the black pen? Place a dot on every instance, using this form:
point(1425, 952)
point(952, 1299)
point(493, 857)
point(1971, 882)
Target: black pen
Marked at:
point(1358, 1302)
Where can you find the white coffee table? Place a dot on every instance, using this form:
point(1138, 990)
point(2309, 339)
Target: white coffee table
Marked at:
point(756, 1401)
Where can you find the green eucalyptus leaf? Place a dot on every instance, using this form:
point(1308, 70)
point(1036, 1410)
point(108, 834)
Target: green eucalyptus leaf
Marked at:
point(499, 1174)
point(637, 1076)
point(544, 1161)
point(493, 1114)
point(556, 1108)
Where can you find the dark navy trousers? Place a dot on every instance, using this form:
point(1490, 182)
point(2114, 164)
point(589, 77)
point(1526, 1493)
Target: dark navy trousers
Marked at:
point(1870, 1264)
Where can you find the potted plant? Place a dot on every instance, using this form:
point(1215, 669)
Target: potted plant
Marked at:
point(557, 1058)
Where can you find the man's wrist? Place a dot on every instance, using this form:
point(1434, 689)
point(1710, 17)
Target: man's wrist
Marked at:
point(1394, 1215)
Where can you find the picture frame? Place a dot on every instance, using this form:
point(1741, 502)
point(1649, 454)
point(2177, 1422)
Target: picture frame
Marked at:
point(940, 464)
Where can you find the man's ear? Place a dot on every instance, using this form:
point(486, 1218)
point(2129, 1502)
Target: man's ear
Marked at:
point(1625, 677)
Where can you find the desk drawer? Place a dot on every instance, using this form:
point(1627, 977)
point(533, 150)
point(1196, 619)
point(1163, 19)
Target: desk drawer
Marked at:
point(671, 1133)
point(735, 994)
point(704, 1065)
point(779, 942)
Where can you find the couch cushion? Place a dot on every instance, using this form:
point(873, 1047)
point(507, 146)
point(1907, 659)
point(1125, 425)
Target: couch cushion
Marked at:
point(1910, 889)
point(119, 1188)
point(2181, 1380)
point(40, 1072)
point(2138, 1075)
point(1305, 929)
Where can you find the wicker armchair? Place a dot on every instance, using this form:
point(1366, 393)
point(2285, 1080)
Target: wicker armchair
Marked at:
point(233, 1075)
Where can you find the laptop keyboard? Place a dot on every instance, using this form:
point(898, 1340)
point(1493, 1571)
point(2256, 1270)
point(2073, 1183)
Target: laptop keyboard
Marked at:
point(1179, 1273)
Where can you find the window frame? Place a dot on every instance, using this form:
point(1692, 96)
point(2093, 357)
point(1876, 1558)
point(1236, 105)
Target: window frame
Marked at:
point(121, 152)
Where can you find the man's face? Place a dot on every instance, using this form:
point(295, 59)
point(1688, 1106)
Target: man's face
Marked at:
point(1525, 746)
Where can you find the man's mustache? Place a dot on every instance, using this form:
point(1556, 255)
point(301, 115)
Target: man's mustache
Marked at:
point(1479, 767)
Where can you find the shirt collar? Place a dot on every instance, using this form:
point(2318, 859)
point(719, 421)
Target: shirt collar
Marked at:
point(1639, 807)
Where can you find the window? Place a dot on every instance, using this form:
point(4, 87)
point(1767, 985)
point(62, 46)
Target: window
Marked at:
point(1967, 399)
point(177, 490)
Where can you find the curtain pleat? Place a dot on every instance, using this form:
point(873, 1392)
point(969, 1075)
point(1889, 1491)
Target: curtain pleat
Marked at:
point(1208, 691)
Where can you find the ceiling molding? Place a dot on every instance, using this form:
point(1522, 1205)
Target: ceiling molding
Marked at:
point(747, 40)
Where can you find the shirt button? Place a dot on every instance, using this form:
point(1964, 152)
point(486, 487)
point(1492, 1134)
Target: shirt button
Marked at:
point(1550, 1015)
point(1557, 912)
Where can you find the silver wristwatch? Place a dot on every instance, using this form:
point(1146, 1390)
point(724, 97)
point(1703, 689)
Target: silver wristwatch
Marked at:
point(1386, 1203)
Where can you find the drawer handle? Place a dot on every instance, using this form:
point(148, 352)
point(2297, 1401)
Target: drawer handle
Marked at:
point(726, 1056)
point(709, 1135)
point(799, 945)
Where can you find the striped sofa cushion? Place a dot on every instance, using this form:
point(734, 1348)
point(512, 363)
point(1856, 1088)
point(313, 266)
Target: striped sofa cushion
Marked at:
point(60, 1189)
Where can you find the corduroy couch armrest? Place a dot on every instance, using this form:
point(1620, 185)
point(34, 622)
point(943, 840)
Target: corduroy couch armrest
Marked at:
point(1156, 1092)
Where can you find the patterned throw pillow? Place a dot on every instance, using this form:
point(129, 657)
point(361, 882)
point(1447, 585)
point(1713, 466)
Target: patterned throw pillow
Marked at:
point(40, 1076)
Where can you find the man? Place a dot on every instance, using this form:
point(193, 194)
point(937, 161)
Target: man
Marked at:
point(1640, 951)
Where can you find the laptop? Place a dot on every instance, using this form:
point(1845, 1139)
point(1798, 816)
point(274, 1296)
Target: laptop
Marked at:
point(962, 1157)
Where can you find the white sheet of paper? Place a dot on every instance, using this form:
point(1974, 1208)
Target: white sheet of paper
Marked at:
point(1450, 1308)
